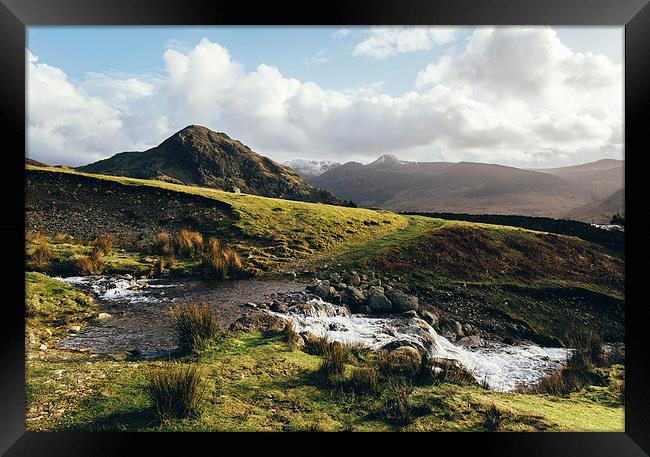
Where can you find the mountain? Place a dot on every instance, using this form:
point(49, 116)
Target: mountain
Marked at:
point(464, 187)
point(601, 211)
point(198, 156)
point(602, 178)
point(35, 163)
point(310, 168)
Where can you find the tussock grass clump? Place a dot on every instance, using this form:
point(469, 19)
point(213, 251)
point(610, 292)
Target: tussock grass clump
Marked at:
point(42, 255)
point(395, 403)
point(232, 259)
point(104, 242)
point(176, 391)
point(219, 263)
point(190, 243)
point(34, 236)
point(93, 264)
point(364, 380)
point(163, 243)
point(493, 419)
point(398, 363)
point(579, 370)
point(332, 367)
point(195, 325)
point(317, 346)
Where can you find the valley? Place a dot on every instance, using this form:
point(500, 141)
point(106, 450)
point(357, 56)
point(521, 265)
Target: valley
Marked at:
point(467, 286)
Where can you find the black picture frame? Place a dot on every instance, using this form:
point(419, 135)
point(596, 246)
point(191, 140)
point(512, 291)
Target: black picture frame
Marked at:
point(16, 15)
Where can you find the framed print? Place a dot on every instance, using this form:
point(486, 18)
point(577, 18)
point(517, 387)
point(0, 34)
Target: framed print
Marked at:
point(353, 217)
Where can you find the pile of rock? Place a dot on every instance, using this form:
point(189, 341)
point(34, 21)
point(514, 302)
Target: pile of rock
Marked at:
point(367, 294)
point(363, 294)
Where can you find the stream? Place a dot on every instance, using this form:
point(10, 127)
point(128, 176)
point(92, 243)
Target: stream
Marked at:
point(140, 324)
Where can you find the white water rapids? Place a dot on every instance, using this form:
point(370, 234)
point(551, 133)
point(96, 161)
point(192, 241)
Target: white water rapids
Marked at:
point(499, 366)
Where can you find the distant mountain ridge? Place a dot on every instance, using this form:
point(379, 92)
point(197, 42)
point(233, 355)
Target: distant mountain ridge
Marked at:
point(199, 156)
point(479, 188)
point(309, 168)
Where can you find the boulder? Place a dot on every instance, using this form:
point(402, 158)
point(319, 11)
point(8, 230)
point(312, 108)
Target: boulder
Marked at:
point(354, 280)
point(335, 278)
point(458, 329)
point(279, 307)
point(102, 316)
point(74, 329)
point(432, 319)
point(468, 329)
point(374, 282)
point(407, 354)
point(378, 303)
point(324, 291)
point(471, 342)
point(354, 296)
point(402, 301)
point(364, 310)
point(410, 314)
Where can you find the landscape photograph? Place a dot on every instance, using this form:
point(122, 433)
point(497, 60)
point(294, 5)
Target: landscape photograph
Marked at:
point(324, 229)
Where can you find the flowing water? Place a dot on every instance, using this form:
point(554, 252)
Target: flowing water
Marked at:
point(140, 323)
point(500, 366)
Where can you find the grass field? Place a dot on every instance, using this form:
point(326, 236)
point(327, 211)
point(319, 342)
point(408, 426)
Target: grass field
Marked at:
point(257, 383)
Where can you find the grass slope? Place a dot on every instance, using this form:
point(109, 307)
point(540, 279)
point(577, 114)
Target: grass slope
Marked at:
point(274, 230)
point(258, 384)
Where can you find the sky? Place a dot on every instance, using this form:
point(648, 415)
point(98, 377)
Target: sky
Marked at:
point(519, 96)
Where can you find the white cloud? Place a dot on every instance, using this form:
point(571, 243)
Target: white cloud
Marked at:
point(341, 33)
point(318, 58)
point(383, 42)
point(513, 96)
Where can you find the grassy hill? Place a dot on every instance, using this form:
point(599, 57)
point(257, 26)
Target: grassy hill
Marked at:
point(268, 231)
point(505, 281)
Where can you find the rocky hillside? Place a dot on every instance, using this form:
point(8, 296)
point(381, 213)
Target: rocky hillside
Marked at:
point(197, 156)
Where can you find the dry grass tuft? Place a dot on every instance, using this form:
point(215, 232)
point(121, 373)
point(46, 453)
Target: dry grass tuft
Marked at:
point(104, 243)
point(190, 243)
point(93, 264)
point(176, 391)
point(195, 325)
point(163, 244)
point(395, 402)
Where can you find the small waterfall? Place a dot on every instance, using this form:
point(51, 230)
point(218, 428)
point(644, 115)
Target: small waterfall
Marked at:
point(501, 367)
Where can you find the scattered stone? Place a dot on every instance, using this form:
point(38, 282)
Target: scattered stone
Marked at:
point(43, 347)
point(354, 296)
point(48, 331)
point(375, 282)
point(354, 280)
point(432, 319)
point(412, 313)
point(378, 303)
point(402, 301)
point(468, 329)
point(335, 278)
point(471, 342)
point(364, 310)
point(279, 307)
point(251, 305)
point(324, 291)
point(102, 316)
point(74, 329)
point(458, 328)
